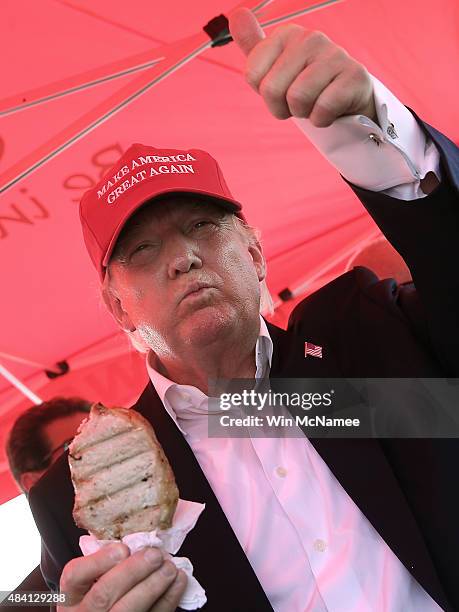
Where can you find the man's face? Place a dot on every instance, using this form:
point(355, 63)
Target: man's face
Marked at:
point(184, 274)
point(62, 430)
point(56, 433)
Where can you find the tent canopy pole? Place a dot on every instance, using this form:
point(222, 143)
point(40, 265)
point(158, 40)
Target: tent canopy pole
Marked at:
point(19, 385)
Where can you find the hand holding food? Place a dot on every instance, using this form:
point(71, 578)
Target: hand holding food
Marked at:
point(123, 484)
point(112, 579)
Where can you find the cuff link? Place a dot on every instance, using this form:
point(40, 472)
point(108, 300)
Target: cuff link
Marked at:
point(376, 139)
point(391, 131)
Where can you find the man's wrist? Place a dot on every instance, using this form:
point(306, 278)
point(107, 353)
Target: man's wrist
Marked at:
point(380, 151)
point(370, 112)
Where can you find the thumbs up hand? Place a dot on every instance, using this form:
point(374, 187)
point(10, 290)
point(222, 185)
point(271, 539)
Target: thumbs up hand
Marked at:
point(301, 73)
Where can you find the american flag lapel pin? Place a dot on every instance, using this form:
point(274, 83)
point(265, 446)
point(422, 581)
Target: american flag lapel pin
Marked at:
point(312, 350)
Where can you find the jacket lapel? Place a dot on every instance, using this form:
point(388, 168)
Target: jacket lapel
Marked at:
point(220, 564)
point(362, 469)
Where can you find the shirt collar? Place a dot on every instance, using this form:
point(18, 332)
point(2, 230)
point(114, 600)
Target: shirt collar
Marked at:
point(175, 396)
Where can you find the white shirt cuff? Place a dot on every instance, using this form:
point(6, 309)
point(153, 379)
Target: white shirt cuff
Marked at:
point(391, 159)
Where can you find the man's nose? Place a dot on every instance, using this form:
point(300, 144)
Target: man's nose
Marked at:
point(183, 258)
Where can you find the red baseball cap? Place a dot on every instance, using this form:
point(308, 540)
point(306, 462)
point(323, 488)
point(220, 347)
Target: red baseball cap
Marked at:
point(141, 174)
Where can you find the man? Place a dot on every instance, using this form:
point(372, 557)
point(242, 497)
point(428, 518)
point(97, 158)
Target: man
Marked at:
point(37, 439)
point(40, 435)
point(289, 524)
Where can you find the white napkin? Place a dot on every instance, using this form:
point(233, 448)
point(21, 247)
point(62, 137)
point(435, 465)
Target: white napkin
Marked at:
point(170, 540)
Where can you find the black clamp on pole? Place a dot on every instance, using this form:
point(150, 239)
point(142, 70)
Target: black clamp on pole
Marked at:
point(62, 368)
point(218, 31)
point(285, 295)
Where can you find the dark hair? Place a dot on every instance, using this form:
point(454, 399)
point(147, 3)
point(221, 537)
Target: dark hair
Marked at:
point(27, 447)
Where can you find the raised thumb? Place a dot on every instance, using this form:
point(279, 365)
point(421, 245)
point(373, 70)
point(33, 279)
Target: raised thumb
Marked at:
point(245, 29)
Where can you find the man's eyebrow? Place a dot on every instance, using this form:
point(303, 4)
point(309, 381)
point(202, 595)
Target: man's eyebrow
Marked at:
point(131, 233)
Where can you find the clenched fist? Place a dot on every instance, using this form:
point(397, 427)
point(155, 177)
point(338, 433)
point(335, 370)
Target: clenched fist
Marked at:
point(301, 73)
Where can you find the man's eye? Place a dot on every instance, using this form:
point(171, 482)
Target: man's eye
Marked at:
point(142, 252)
point(141, 247)
point(203, 224)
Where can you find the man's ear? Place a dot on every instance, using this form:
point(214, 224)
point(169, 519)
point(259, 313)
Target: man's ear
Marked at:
point(28, 479)
point(259, 262)
point(114, 306)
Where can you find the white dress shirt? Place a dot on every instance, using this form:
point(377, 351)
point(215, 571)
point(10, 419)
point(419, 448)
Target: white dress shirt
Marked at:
point(391, 157)
point(310, 546)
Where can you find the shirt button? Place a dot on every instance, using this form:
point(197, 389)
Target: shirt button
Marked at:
point(281, 471)
point(320, 545)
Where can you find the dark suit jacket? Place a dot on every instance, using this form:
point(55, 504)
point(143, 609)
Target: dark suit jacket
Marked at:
point(406, 488)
